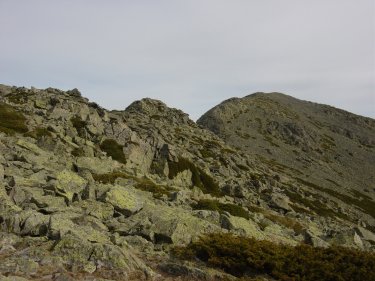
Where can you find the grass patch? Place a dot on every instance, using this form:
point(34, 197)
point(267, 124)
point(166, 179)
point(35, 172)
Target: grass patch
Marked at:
point(199, 178)
point(214, 205)
point(243, 257)
point(144, 184)
point(113, 149)
point(314, 205)
point(285, 221)
point(11, 120)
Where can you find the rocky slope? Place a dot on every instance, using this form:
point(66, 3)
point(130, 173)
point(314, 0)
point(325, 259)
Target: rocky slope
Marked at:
point(92, 194)
point(327, 153)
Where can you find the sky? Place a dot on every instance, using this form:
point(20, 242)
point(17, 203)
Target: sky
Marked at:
point(193, 54)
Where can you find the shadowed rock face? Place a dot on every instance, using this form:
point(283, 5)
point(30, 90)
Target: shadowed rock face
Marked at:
point(109, 193)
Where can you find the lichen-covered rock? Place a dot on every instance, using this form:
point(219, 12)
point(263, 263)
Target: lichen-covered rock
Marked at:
point(96, 165)
point(242, 226)
point(162, 224)
point(69, 184)
point(99, 210)
point(65, 223)
point(125, 200)
point(83, 255)
point(19, 265)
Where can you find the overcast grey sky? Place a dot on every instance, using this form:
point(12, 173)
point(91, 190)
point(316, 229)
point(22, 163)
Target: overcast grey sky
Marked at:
point(193, 54)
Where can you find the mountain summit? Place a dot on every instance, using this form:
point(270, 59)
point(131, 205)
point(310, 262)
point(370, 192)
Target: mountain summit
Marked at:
point(328, 153)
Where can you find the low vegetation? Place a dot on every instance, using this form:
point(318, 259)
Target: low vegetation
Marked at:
point(18, 97)
point(113, 149)
point(281, 220)
point(38, 133)
point(11, 120)
point(215, 205)
point(78, 152)
point(314, 205)
point(361, 200)
point(199, 177)
point(243, 257)
point(144, 184)
point(79, 125)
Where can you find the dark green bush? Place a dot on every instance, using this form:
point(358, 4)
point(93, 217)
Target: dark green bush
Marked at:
point(215, 205)
point(242, 256)
point(199, 178)
point(11, 121)
point(114, 150)
point(78, 123)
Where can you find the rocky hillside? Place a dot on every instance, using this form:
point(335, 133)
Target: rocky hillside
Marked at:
point(92, 194)
point(327, 153)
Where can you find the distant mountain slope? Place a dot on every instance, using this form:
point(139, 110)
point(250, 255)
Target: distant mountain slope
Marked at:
point(325, 150)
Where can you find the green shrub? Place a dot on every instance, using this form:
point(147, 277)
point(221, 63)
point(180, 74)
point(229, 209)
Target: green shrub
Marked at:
point(243, 167)
point(78, 151)
point(144, 184)
point(199, 178)
point(242, 256)
point(110, 177)
point(38, 133)
point(215, 205)
point(114, 150)
point(11, 121)
point(78, 123)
